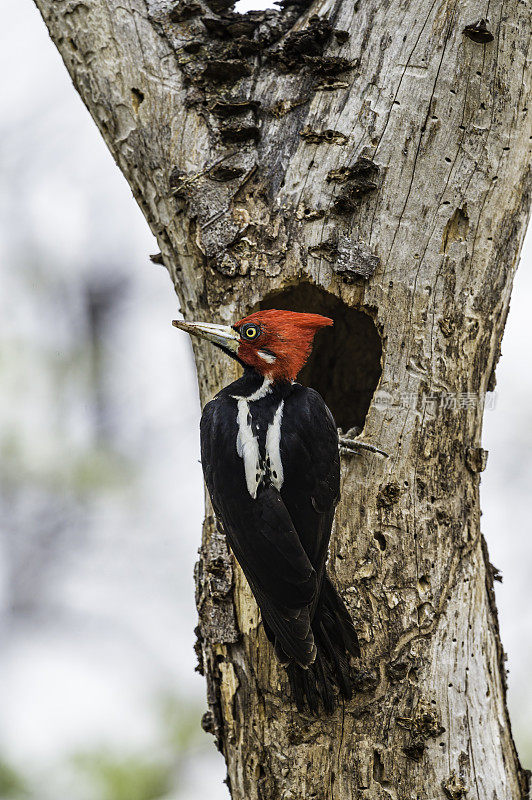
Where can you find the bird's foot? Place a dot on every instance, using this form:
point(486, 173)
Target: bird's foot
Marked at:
point(353, 447)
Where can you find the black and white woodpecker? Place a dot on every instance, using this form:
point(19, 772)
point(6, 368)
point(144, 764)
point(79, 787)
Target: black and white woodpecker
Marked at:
point(270, 457)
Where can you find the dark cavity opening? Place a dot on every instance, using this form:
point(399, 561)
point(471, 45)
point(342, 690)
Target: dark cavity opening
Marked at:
point(137, 97)
point(345, 365)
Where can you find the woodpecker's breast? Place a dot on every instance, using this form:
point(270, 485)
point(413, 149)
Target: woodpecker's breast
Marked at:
point(258, 441)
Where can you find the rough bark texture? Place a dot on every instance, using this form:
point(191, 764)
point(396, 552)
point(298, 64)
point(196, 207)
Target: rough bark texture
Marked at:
point(371, 163)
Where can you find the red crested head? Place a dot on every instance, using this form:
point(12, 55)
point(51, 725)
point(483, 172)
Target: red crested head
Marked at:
point(278, 343)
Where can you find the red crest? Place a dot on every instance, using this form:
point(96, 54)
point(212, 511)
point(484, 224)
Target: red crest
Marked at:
point(282, 344)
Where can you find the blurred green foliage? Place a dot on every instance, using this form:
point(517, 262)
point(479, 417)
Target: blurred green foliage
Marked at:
point(182, 723)
point(104, 774)
point(12, 784)
point(126, 778)
point(146, 776)
point(95, 469)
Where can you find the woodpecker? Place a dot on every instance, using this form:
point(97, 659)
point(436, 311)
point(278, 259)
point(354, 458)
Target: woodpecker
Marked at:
point(270, 457)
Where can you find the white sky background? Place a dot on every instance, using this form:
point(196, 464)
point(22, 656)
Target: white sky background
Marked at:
point(118, 601)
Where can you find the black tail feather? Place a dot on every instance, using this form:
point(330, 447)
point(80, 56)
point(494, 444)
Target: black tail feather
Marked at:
point(336, 640)
point(334, 607)
point(338, 662)
point(312, 687)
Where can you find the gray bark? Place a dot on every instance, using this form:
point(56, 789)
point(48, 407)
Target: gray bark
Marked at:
point(380, 175)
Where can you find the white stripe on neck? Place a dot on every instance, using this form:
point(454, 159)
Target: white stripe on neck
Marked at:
point(261, 392)
point(273, 448)
point(247, 447)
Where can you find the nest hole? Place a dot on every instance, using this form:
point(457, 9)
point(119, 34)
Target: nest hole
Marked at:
point(345, 364)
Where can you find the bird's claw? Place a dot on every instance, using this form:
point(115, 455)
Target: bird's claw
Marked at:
point(353, 447)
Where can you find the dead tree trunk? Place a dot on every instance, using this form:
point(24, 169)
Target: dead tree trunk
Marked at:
point(367, 160)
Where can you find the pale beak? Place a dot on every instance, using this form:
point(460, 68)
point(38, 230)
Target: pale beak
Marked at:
point(221, 335)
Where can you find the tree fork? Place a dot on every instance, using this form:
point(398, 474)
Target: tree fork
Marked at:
point(368, 161)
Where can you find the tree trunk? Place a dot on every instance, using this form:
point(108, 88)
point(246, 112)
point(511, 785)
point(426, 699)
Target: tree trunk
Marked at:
point(370, 163)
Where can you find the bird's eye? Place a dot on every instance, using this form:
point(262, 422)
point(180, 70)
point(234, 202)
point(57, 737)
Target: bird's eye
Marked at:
point(250, 332)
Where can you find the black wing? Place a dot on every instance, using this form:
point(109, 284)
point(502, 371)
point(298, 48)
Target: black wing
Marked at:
point(311, 466)
point(311, 490)
point(261, 535)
